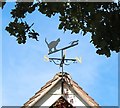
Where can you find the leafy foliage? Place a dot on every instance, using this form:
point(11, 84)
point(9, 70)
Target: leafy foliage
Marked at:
point(2, 4)
point(102, 20)
point(19, 28)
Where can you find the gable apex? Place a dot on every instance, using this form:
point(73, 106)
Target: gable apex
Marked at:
point(52, 85)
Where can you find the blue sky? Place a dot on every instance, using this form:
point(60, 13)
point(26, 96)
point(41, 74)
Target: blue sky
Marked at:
point(24, 70)
point(0, 59)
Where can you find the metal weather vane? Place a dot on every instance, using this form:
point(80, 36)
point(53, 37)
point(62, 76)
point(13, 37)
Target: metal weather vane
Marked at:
point(62, 61)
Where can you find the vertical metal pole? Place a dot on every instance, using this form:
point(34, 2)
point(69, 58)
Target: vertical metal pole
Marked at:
point(62, 63)
point(62, 73)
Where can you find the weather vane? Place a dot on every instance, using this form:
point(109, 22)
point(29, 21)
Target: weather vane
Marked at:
point(62, 61)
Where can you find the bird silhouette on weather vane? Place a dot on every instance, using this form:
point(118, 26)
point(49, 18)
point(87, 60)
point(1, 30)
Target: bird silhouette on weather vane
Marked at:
point(52, 46)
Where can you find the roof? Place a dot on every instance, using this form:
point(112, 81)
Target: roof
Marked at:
point(50, 84)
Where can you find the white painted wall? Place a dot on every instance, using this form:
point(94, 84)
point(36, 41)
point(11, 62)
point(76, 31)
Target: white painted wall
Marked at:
point(73, 98)
point(55, 93)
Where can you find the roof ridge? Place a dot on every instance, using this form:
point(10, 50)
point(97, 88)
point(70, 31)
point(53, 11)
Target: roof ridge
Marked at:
point(51, 83)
